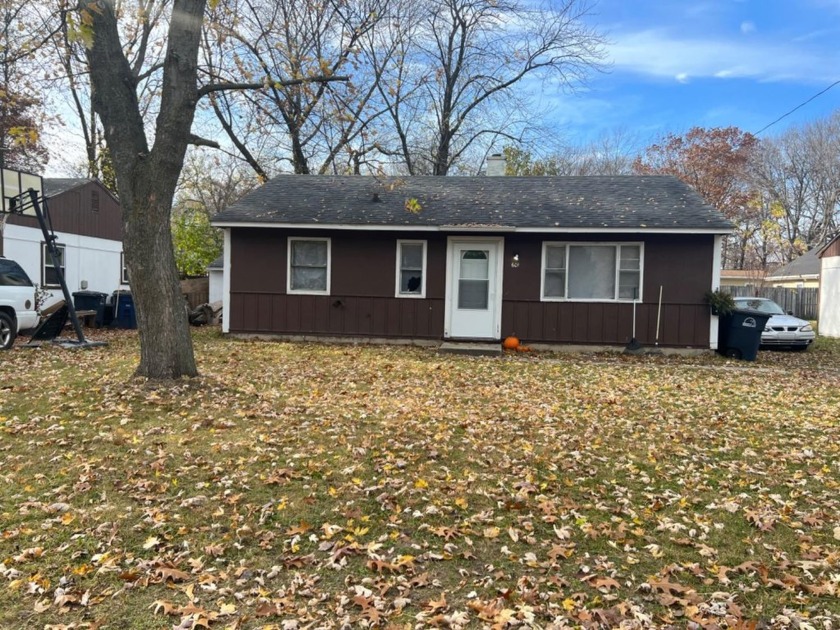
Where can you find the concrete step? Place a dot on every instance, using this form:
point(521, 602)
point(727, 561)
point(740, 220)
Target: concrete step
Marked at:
point(470, 348)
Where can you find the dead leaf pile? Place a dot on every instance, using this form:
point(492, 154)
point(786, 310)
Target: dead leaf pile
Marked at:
point(312, 486)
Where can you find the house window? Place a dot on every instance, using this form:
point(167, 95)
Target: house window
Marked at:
point(94, 200)
point(591, 271)
point(123, 269)
point(411, 269)
point(309, 266)
point(49, 273)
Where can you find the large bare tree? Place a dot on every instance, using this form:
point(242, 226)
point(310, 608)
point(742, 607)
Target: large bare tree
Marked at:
point(308, 124)
point(467, 63)
point(798, 173)
point(148, 172)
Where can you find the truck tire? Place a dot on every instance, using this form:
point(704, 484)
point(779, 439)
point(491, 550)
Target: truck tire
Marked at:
point(8, 331)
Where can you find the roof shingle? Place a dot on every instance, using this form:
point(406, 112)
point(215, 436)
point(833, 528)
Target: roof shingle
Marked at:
point(597, 202)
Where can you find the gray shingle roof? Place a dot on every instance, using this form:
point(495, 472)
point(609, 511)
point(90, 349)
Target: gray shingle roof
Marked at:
point(57, 185)
point(623, 202)
point(808, 264)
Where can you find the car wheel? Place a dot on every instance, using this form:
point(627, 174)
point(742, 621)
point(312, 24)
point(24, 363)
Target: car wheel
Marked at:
point(8, 331)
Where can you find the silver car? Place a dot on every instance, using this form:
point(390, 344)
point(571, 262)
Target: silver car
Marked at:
point(782, 329)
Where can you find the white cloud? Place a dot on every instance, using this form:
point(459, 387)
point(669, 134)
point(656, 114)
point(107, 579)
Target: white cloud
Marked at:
point(748, 27)
point(658, 54)
point(682, 77)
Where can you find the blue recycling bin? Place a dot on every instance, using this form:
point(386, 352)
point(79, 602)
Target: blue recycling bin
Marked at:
point(124, 314)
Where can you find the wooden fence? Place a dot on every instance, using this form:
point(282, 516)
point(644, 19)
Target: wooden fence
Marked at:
point(802, 303)
point(196, 291)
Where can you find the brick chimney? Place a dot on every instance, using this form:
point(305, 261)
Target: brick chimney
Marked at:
point(496, 165)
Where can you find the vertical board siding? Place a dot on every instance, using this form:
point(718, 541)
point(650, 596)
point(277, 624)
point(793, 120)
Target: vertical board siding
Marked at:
point(319, 315)
point(602, 323)
point(71, 212)
point(362, 303)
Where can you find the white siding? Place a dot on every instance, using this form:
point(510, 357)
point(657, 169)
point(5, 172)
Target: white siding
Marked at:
point(217, 278)
point(829, 320)
point(95, 260)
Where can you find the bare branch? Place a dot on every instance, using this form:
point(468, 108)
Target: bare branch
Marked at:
point(220, 87)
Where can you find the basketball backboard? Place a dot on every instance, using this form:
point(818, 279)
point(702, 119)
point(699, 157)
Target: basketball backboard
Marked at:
point(13, 183)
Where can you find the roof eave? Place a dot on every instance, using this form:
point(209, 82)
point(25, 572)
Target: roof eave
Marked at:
point(468, 228)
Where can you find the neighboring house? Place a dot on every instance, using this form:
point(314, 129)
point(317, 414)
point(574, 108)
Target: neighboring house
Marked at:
point(802, 272)
point(87, 221)
point(554, 260)
point(829, 317)
point(742, 277)
point(215, 274)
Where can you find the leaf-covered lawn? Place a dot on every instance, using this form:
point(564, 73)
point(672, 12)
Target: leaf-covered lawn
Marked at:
point(303, 485)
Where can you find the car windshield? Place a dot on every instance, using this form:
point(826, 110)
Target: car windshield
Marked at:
point(764, 306)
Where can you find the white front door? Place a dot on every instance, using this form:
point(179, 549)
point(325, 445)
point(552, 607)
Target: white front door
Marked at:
point(474, 288)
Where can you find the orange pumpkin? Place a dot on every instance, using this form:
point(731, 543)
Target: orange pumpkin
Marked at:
point(510, 343)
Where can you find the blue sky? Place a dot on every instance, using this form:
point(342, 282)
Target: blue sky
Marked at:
point(674, 64)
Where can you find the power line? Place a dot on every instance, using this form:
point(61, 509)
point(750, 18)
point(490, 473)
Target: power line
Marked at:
point(785, 115)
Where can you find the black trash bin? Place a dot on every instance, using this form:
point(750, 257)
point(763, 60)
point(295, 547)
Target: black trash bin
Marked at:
point(88, 300)
point(124, 315)
point(739, 333)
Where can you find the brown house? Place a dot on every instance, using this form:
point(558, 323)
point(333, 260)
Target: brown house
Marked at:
point(554, 260)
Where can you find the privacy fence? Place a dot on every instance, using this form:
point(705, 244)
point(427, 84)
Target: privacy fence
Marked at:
point(801, 302)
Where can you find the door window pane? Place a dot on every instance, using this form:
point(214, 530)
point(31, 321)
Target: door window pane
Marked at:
point(473, 284)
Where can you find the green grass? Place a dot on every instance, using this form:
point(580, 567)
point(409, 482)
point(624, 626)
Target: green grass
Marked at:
point(346, 485)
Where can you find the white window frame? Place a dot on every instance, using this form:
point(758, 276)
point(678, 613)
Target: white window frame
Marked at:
point(422, 293)
point(46, 261)
point(291, 240)
point(617, 245)
point(123, 270)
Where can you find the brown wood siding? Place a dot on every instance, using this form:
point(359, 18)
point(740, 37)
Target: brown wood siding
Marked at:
point(72, 212)
point(832, 250)
point(682, 265)
point(362, 301)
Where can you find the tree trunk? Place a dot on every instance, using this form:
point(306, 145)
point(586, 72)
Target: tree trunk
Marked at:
point(166, 350)
point(146, 179)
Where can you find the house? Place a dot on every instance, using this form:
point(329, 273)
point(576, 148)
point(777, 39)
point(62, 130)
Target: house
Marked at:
point(803, 272)
point(215, 275)
point(87, 221)
point(829, 315)
point(554, 260)
point(741, 277)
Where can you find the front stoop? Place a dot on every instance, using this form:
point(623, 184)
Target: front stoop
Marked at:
point(471, 349)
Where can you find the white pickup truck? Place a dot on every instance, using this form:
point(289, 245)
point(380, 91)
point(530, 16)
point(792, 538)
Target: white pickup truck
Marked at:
point(17, 302)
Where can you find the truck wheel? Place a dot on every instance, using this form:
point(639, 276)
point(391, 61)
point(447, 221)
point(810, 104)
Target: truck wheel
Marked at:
point(8, 331)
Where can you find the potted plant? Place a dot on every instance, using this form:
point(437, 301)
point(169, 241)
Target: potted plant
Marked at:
point(721, 302)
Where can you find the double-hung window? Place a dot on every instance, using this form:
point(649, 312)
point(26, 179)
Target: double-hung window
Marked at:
point(49, 272)
point(591, 271)
point(308, 266)
point(411, 269)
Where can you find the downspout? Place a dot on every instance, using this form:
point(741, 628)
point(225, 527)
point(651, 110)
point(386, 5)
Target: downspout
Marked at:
point(714, 320)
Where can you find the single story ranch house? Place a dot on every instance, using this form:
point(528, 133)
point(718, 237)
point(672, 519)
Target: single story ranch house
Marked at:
point(553, 260)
